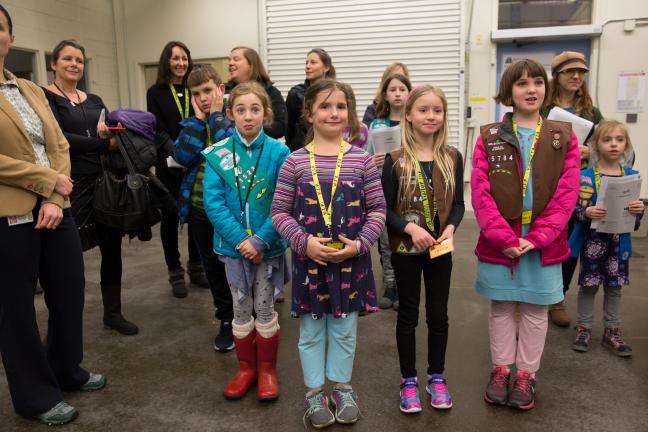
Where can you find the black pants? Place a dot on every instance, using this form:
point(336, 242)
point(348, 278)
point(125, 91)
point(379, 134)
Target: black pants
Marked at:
point(110, 240)
point(214, 268)
point(436, 277)
point(172, 178)
point(36, 373)
point(569, 266)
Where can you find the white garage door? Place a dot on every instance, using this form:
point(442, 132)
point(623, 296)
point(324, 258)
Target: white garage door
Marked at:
point(363, 37)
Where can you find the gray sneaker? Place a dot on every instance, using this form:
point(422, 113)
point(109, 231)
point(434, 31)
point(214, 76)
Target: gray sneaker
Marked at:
point(317, 410)
point(95, 382)
point(346, 409)
point(60, 414)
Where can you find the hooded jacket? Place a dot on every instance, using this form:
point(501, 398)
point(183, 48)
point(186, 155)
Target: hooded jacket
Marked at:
point(496, 186)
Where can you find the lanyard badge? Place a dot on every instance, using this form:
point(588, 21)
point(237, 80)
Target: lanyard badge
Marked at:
point(185, 114)
point(327, 212)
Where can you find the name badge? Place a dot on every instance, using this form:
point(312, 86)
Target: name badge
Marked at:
point(335, 245)
point(526, 217)
point(20, 220)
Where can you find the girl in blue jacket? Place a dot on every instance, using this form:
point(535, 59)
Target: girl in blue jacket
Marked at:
point(604, 257)
point(240, 178)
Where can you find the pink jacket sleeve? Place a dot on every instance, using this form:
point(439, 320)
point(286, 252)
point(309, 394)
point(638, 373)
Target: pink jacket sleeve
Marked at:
point(551, 222)
point(494, 227)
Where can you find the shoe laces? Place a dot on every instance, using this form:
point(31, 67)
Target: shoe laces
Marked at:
point(439, 386)
point(582, 335)
point(500, 376)
point(615, 336)
point(523, 382)
point(409, 389)
point(315, 403)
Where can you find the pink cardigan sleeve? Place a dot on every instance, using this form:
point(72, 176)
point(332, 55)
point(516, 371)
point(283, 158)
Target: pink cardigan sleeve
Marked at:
point(494, 227)
point(551, 222)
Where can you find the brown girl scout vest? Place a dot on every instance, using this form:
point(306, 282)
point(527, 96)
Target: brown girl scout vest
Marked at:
point(504, 170)
point(412, 207)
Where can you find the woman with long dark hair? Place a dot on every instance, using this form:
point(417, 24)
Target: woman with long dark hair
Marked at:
point(168, 99)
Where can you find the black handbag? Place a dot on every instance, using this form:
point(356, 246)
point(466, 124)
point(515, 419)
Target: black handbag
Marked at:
point(123, 201)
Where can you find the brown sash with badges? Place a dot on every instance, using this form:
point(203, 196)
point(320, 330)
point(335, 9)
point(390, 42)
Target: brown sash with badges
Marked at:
point(504, 167)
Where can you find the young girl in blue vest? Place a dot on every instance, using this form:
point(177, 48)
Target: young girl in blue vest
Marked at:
point(604, 257)
point(423, 184)
point(524, 186)
point(389, 107)
point(240, 177)
point(330, 207)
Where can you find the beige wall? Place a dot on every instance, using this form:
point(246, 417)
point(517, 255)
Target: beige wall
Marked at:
point(613, 52)
point(210, 28)
point(39, 25)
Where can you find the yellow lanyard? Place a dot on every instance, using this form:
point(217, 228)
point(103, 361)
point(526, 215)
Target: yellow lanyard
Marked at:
point(527, 171)
point(208, 130)
point(177, 101)
point(326, 212)
point(429, 218)
point(597, 176)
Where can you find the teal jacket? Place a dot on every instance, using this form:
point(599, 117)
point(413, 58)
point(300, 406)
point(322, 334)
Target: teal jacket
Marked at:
point(221, 200)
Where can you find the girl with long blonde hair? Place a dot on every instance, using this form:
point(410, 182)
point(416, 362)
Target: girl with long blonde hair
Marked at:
point(423, 185)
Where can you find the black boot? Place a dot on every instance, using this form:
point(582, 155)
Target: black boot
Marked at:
point(113, 318)
point(177, 281)
point(197, 274)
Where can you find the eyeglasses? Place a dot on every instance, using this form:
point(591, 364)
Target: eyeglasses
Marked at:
point(574, 71)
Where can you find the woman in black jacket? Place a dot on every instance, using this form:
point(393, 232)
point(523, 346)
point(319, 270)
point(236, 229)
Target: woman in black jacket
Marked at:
point(78, 115)
point(318, 65)
point(245, 65)
point(169, 100)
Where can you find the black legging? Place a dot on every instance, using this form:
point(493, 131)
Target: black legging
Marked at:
point(172, 178)
point(436, 276)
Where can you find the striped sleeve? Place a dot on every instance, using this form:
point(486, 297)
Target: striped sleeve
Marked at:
point(282, 209)
point(375, 205)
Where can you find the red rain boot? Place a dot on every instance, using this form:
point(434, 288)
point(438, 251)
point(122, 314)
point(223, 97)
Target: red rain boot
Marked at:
point(268, 387)
point(247, 373)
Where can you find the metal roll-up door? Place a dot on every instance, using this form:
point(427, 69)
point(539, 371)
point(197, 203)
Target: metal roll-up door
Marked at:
point(363, 37)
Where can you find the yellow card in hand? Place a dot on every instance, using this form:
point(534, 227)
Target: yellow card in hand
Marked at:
point(335, 245)
point(446, 246)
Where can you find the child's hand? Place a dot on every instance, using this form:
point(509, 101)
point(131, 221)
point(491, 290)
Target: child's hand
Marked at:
point(420, 237)
point(350, 250)
point(636, 207)
point(525, 246)
point(595, 212)
point(512, 252)
point(197, 111)
point(217, 101)
point(247, 250)
point(584, 151)
point(317, 251)
point(379, 160)
point(447, 234)
point(259, 257)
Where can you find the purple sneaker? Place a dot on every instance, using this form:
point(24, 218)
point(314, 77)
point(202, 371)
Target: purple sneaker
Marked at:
point(438, 389)
point(410, 398)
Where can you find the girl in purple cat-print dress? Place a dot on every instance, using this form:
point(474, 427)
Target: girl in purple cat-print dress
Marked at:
point(329, 206)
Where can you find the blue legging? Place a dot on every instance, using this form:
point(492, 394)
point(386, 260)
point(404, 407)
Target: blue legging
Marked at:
point(337, 362)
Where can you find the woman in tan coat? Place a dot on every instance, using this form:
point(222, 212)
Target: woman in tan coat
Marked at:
point(38, 241)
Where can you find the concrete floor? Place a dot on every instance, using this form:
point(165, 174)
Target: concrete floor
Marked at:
point(168, 378)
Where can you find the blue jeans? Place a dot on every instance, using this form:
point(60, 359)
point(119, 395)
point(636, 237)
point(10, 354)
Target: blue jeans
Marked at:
point(338, 363)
